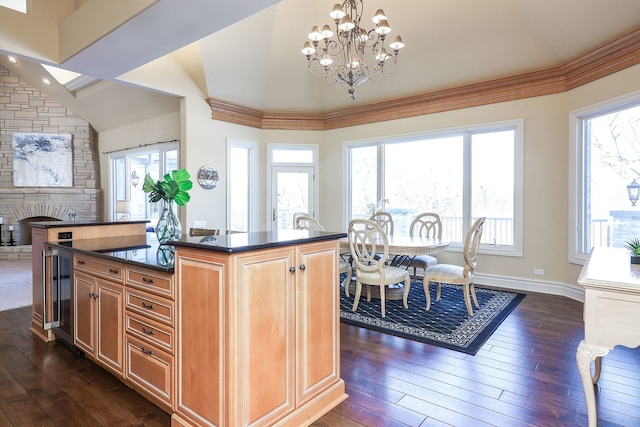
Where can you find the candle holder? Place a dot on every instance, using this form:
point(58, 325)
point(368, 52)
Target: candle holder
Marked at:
point(11, 241)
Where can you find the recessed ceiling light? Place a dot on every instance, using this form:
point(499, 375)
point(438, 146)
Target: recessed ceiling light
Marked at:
point(46, 81)
point(12, 59)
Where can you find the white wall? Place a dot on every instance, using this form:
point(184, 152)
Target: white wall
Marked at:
point(546, 163)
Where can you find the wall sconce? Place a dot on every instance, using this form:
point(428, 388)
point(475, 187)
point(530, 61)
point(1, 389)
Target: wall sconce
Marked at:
point(634, 192)
point(135, 179)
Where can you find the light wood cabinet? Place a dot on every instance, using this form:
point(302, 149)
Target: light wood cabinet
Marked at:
point(259, 336)
point(42, 232)
point(150, 337)
point(99, 330)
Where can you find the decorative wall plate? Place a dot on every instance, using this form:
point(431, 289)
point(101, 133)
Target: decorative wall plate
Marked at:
point(208, 177)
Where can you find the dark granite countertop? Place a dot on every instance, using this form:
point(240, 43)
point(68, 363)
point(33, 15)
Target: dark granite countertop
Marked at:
point(58, 224)
point(146, 251)
point(142, 250)
point(243, 242)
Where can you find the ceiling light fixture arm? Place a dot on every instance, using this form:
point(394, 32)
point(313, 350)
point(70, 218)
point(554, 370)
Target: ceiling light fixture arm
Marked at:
point(355, 55)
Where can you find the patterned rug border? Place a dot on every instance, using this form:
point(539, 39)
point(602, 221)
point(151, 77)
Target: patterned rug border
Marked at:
point(468, 338)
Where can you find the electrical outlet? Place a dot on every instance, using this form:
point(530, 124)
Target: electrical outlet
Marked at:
point(538, 271)
point(199, 224)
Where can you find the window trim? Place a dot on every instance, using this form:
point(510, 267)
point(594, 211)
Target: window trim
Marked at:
point(515, 250)
point(271, 147)
point(127, 153)
point(576, 167)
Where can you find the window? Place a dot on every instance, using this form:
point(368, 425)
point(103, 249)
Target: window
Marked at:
point(460, 174)
point(606, 158)
point(242, 164)
point(128, 169)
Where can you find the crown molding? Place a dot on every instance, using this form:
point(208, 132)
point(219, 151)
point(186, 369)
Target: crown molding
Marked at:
point(599, 62)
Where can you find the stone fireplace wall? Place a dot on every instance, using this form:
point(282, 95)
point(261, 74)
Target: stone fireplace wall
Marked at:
point(24, 109)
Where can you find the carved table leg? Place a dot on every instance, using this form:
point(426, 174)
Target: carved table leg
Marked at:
point(584, 356)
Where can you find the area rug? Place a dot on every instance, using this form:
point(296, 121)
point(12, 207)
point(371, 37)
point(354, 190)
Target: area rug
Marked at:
point(446, 324)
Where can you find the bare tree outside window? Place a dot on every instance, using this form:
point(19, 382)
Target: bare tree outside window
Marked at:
point(612, 161)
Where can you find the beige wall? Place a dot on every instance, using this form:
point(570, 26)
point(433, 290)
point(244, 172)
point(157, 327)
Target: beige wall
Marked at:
point(546, 163)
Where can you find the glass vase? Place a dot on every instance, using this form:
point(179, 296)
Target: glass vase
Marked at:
point(165, 255)
point(168, 227)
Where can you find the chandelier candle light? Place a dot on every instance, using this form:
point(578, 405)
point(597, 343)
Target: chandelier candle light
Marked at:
point(355, 55)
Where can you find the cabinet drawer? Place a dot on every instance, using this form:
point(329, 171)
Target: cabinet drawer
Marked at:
point(102, 268)
point(151, 306)
point(150, 331)
point(150, 370)
point(148, 280)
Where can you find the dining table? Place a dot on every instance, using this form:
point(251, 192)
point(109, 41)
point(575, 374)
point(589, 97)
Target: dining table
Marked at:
point(401, 249)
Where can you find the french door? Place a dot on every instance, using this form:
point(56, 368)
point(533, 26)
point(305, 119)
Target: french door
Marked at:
point(292, 190)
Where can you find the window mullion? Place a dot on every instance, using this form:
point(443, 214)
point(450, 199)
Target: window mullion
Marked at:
point(466, 182)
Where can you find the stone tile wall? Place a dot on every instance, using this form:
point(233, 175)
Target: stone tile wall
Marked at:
point(24, 109)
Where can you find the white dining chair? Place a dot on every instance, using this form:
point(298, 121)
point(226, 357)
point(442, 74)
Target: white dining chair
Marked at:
point(455, 274)
point(427, 225)
point(370, 249)
point(306, 222)
point(295, 216)
point(384, 220)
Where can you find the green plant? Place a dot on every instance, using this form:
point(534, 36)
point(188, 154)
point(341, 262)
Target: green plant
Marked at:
point(634, 246)
point(173, 187)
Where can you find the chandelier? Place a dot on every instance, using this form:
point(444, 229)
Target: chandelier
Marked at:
point(355, 55)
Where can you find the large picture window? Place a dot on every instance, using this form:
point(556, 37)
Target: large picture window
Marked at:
point(460, 174)
point(606, 159)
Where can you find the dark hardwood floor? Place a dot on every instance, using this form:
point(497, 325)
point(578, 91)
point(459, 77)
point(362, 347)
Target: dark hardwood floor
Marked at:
point(525, 375)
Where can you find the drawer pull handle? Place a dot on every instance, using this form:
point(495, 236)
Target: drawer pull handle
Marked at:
point(80, 262)
point(147, 306)
point(145, 351)
point(145, 280)
point(147, 331)
point(114, 271)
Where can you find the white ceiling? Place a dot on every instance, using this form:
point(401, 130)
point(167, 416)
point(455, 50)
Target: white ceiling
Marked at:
point(257, 63)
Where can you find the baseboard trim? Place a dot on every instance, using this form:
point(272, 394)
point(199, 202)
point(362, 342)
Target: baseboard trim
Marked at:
point(528, 285)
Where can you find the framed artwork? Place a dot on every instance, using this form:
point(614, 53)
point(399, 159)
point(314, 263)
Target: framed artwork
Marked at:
point(42, 160)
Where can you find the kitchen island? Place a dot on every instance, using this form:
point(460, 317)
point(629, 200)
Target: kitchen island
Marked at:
point(241, 330)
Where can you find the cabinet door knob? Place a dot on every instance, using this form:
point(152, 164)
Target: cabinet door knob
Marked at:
point(303, 267)
point(292, 269)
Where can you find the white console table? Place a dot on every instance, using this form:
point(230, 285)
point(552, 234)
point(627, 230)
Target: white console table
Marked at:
point(611, 313)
